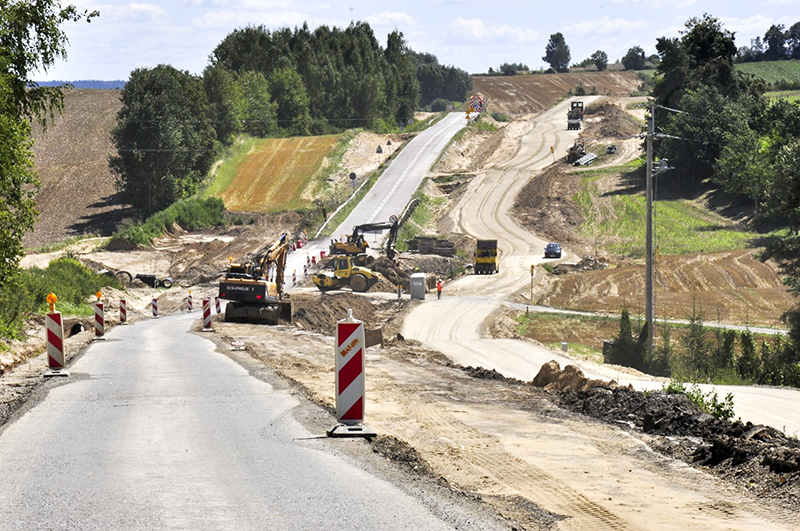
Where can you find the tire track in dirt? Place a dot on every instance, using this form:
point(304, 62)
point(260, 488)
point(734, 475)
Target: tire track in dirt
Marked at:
point(514, 476)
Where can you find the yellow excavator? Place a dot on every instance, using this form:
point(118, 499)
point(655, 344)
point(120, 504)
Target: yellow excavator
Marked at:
point(345, 273)
point(356, 244)
point(254, 297)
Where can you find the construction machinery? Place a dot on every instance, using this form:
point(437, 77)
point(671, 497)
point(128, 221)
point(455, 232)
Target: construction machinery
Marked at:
point(254, 290)
point(575, 116)
point(577, 151)
point(355, 243)
point(346, 273)
point(486, 257)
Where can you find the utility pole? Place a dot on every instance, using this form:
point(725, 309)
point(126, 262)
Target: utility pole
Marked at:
point(649, 234)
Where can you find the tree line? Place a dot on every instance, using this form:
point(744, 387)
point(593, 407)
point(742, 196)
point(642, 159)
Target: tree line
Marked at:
point(266, 83)
point(778, 44)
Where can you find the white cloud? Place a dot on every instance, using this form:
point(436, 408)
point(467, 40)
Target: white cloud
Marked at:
point(148, 10)
point(475, 30)
point(606, 26)
point(780, 2)
point(388, 18)
point(755, 25)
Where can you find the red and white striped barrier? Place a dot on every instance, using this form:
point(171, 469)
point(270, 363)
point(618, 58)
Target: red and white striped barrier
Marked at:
point(321, 255)
point(314, 260)
point(99, 321)
point(123, 311)
point(55, 345)
point(294, 278)
point(308, 259)
point(155, 307)
point(350, 344)
point(207, 315)
point(305, 271)
point(189, 301)
point(216, 300)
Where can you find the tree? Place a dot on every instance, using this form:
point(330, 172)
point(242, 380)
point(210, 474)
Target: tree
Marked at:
point(600, 60)
point(775, 39)
point(225, 102)
point(622, 349)
point(18, 183)
point(793, 41)
point(748, 361)
point(258, 111)
point(556, 53)
point(695, 343)
point(164, 138)
point(31, 39)
point(291, 99)
point(634, 59)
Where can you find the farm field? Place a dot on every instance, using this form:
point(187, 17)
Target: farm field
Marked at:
point(773, 71)
point(526, 94)
point(272, 174)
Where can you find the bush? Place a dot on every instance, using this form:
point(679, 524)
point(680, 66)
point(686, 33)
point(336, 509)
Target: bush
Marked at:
point(439, 105)
point(189, 214)
point(499, 117)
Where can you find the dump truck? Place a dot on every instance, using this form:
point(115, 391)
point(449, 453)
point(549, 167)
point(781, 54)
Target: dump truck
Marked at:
point(355, 243)
point(254, 290)
point(346, 273)
point(486, 257)
point(575, 116)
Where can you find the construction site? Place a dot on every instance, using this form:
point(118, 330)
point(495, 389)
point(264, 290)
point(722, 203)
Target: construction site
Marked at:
point(547, 437)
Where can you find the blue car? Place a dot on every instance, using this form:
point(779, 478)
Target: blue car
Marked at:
point(553, 250)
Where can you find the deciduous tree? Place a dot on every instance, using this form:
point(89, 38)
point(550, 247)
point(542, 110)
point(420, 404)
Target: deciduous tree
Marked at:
point(600, 60)
point(556, 53)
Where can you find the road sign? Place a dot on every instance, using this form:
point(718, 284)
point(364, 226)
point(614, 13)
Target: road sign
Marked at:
point(552, 149)
point(533, 269)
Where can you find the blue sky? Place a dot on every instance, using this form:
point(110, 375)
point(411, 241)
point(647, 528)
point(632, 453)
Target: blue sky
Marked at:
point(470, 34)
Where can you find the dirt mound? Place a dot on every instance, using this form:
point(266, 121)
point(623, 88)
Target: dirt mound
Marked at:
point(471, 151)
point(401, 452)
point(552, 378)
point(320, 312)
point(526, 94)
point(587, 263)
point(606, 120)
point(760, 458)
point(544, 206)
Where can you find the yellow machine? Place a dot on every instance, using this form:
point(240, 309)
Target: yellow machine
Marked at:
point(252, 297)
point(360, 279)
point(486, 257)
point(356, 244)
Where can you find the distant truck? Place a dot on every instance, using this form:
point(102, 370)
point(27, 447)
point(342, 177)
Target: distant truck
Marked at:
point(575, 116)
point(486, 257)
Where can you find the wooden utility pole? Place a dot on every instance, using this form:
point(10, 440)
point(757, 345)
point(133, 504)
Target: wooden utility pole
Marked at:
point(649, 235)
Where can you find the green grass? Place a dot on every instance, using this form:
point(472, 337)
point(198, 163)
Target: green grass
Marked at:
point(773, 71)
point(423, 214)
point(791, 95)
point(229, 164)
point(63, 244)
point(190, 214)
point(682, 226)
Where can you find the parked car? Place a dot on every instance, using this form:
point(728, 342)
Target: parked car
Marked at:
point(552, 250)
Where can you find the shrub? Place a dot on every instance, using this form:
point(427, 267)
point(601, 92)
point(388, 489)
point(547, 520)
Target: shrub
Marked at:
point(499, 117)
point(439, 105)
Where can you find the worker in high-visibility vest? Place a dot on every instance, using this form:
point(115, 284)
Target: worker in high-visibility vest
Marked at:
point(439, 289)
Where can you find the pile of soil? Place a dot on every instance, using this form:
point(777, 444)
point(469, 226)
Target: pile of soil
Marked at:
point(320, 312)
point(759, 458)
point(612, 122)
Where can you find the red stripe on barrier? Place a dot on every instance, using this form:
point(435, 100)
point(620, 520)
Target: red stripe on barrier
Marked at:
point(356, 412)
point(56, 317)
point(350, 371)
point(53, 363)
point(54, 340)
point(345, 331)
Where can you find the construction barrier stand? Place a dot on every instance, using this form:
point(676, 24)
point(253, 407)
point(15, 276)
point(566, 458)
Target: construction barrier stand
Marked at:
point(350, 343)
point(123, 311)
point(155, 307)
point(55, 345)
point(207, 315)
point(99, 321)
point(216, 300)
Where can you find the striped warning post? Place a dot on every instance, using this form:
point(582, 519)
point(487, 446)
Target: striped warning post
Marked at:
point(305, 271)
point(308, 259)
point(294, 278)
point(155, 307)
point(207, 315)
point(216, 300)
point(350, 370)
point(189, 301)
point(321, 255)
point(314, 260)
point(99, 321)
point(123, 311)
point(55, 345)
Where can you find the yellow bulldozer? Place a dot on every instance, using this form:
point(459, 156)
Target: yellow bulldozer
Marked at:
point(345, 273)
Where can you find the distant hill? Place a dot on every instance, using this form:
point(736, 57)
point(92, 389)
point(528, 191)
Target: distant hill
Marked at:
point(773, 71)
point(86, 84)
point(525, 94)
point(71, 159)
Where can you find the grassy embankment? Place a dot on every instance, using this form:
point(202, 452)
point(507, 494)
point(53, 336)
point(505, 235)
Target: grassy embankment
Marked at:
point(615, 222)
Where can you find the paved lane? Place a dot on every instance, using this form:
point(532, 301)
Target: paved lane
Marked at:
point(156, 430)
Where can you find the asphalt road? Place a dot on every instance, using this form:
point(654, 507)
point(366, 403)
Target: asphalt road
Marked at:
point(456, 325)
point(157, 430)
point(393, 190)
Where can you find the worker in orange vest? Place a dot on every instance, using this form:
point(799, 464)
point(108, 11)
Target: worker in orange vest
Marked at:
point(439, 289)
